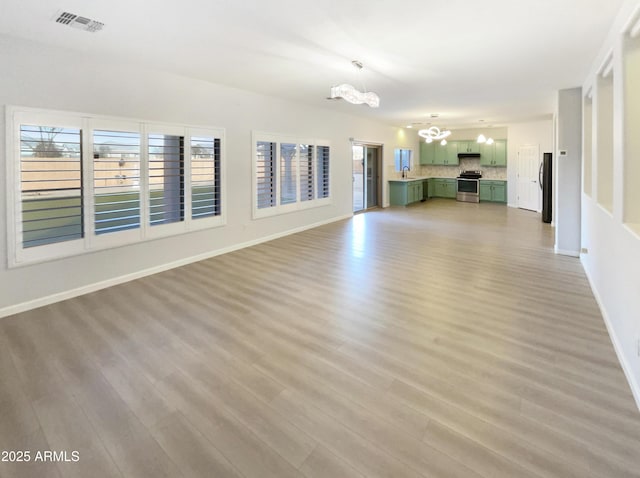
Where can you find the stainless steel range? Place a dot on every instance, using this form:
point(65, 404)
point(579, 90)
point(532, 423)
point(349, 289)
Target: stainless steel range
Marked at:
point(469, 186)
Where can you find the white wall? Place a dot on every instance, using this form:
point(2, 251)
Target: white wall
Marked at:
point(520, 134)
point(567, 172)
point(38, 76)
point(613, 259)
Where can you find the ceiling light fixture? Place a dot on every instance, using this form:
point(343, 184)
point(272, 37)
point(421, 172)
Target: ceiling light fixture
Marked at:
point(443, 142)
point(434, 133)
point(482, 138)
point(353, 95)
point(489, 141)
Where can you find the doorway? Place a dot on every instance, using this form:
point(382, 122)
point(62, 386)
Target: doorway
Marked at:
point(367, 164)
point(528, 181)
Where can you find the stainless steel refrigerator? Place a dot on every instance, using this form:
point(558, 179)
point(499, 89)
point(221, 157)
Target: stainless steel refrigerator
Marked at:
point(546, 184)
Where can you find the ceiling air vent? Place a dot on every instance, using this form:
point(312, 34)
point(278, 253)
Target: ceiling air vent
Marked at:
point(76, 21)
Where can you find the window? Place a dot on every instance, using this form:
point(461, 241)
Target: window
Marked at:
point(82, 183)
point(306, 172)
point(322, 155)
point(116, 180)
point(50, 184)
point(166, 178)
point(205, 177)
point(266, 174)
point(403, 159)
point(289, 174)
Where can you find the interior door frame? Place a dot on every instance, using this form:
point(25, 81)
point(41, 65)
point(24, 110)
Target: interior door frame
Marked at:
point(379, 169)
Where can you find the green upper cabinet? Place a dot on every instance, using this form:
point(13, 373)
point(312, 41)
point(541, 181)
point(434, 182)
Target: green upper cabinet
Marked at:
point(467, 146)
point(437, 155)
point(445, 155)
point(427, 153)
point(452, 154)
point(494, 154)
point(441, 154)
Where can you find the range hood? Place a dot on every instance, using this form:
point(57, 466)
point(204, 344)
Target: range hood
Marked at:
point(468, 155)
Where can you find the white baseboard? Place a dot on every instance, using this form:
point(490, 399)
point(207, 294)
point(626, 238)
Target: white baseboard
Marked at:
point(565, 252)
point(626, 368)
point(69, 294)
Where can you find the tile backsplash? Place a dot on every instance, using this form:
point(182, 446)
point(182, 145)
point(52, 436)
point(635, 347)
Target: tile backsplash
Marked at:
point(452, 171)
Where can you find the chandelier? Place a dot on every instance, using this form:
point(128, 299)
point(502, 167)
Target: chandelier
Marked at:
point(434, 133)
point(351, 94)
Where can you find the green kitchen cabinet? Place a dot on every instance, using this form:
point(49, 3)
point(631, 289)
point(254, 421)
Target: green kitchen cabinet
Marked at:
point(443, 188)
point(493, 191)
point(427, 153)
point(403, 193)
point(494, 154)
point(467, 146)
point(435, 154)
point(446, 155)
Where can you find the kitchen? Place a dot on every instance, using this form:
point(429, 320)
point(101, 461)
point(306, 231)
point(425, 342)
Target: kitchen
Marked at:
point(469, 165)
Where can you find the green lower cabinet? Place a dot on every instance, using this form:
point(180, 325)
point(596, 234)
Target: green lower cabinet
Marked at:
point(404, 193)
point(493, 191)
point(442, 188)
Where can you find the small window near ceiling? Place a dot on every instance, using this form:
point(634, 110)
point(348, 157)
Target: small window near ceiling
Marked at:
point(403, 158)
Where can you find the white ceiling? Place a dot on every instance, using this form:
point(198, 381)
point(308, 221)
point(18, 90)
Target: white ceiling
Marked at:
point(497, 60)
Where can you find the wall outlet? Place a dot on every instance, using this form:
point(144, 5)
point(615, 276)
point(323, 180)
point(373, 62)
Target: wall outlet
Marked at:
point(584, 250)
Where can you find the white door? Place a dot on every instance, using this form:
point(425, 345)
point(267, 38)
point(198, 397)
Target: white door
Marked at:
point(528, 185)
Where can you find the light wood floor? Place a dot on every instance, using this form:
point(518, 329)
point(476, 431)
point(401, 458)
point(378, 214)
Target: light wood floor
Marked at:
point(441, 340)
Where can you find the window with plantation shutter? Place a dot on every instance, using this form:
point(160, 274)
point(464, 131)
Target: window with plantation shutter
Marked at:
point(266, 174)
point(205, 177)
point(166, 178)
point(50, 184)
point(306, 172)
point(78, 183)
point(289, 174)
point(322, 155)
point(116, 178)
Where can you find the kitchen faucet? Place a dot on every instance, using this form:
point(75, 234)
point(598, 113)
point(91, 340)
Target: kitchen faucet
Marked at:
point(403, 167)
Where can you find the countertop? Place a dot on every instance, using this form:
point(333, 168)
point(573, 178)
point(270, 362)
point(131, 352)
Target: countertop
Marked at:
point(408, 180)
point(422, 178)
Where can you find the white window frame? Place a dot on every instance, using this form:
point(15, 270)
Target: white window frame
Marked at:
point(15, 116)
point(299, 204)
point(402, 152)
